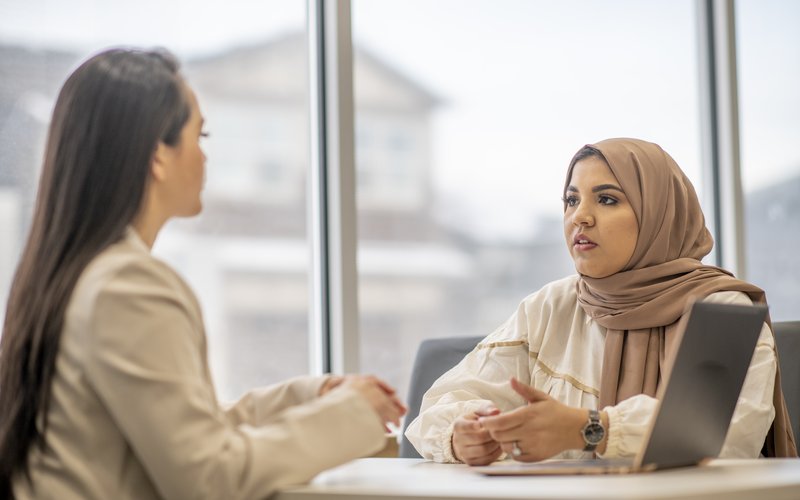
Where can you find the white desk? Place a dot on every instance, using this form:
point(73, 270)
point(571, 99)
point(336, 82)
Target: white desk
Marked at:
point(398, 478)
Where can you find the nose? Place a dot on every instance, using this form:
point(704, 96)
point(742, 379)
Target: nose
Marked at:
point(582, 216)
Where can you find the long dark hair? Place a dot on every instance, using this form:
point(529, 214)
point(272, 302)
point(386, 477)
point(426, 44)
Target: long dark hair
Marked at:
point(108, 120)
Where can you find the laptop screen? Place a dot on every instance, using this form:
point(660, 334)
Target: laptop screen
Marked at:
point(697, 402)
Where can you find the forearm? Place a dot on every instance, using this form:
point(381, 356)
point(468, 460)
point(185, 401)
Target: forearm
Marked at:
point(259, 405)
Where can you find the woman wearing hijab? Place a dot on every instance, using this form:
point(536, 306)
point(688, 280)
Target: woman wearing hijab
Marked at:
point(105, 390)
point(585, 354)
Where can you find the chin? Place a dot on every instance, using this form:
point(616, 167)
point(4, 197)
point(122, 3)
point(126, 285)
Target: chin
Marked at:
point(597, 274)
point(192, 212)
point(198, 207)
point(591, 273)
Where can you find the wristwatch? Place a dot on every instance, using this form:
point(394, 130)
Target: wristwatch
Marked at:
point(593, 432)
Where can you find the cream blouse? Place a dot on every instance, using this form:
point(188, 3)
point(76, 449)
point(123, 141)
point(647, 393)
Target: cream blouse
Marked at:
point(550, 343)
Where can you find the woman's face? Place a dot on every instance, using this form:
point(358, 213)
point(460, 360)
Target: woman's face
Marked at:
point(186, 164)
point(599, 223)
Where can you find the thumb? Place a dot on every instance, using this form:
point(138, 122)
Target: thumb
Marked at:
point(530, 394)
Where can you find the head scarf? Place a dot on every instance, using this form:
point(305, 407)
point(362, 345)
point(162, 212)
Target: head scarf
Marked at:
point(641, 305)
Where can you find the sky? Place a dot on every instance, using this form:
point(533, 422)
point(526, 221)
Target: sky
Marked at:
point(523, 84)
point(184, 26)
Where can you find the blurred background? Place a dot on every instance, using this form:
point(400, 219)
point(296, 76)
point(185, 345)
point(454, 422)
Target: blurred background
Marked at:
point(467, 114)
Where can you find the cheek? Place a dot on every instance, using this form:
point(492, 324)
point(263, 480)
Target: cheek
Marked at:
point(567, 232)
point(198, 163)
point(626, 237)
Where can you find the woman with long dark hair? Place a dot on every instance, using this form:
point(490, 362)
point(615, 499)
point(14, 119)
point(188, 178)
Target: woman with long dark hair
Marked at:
point(105, 390)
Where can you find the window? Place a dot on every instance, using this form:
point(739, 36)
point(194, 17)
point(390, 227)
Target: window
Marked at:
point(246, 256)
point(465, 125)
point(768, 46)
point(484, 104)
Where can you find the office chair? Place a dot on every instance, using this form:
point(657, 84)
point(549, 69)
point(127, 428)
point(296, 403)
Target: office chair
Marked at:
point(434, 357)
point(787, 339)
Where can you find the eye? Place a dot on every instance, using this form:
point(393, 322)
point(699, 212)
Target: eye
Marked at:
point(205, 134)
point(570, 200)
point(605, 199)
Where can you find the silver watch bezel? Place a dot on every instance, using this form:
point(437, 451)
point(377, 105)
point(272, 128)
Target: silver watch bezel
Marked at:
point(593, 431)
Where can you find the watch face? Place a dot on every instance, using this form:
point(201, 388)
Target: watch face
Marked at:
point(593, 433)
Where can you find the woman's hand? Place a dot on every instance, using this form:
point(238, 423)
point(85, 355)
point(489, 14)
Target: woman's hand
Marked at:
point(330, 383)
point(380, 395)
point(542, 428)
point(472, 444)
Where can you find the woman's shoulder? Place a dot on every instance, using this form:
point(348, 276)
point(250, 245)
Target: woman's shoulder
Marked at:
point(126, 268)
point(555, 295)
point(729, 297)
point(551, 309)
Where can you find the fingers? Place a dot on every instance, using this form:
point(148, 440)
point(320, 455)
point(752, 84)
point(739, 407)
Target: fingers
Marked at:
point(508, 448)
point(398, 405)
point(482, 454)
point(392, 393)
point(472, 444)
point(388, 389)
point(504, 422)
point(331, 383)
point(529, 393)
point(380, 396)
point(481, 439)
point(487, 411)
point(507, 436)
point(387, 407)
point(390, 411)
point(467, 423)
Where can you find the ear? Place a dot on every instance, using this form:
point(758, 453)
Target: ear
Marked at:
point(159, 164)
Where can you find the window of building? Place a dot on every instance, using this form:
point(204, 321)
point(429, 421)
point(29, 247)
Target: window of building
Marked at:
point(768, 45)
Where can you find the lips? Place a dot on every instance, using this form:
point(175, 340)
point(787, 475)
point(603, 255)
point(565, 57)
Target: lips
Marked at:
point(581, 242)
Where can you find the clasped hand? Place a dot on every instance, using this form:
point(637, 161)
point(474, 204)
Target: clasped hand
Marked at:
point(542, 428)
point(380, 395)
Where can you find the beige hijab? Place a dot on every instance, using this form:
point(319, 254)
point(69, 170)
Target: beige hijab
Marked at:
point(642, 304)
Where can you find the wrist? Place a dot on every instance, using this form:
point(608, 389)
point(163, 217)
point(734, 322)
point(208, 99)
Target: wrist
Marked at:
point(580, 419)
point(585, 424)
point(453, 452)
point(601, 448)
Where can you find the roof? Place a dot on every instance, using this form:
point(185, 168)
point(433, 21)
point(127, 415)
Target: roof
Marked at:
point(277, 69)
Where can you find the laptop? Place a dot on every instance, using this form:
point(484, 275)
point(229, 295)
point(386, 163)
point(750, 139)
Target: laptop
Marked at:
point(695, 405)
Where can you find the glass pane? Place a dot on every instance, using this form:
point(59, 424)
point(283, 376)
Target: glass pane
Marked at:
point(768, 45)
point(467, 114)
point(246, 255)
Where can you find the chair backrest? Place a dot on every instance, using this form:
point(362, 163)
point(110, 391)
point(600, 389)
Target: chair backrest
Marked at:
point(434, 357)
point(787, 338)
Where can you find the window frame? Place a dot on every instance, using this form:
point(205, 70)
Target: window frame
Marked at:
point(334, 311)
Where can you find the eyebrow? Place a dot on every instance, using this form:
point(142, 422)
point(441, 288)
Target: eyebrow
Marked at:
point(601, 187)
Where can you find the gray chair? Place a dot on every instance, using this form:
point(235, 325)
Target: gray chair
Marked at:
point(787, 338)
point(434, 357)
